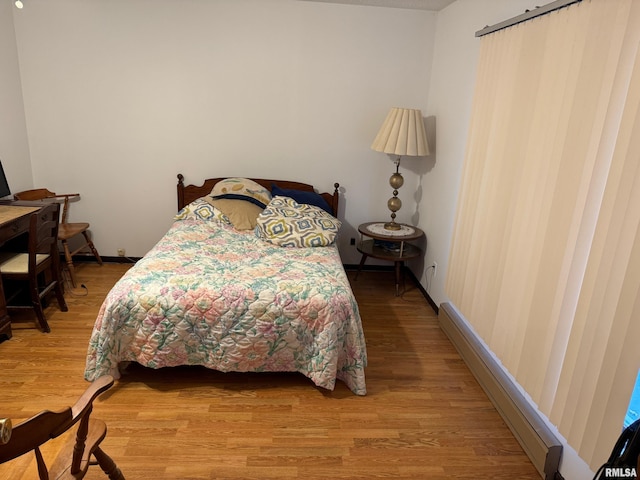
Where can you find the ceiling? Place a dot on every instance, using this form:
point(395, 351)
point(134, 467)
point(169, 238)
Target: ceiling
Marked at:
point(434, 5)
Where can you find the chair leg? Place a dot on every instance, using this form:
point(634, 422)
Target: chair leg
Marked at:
point(92, 247)
point(37, 306)
point(58, 287)
point(62, 303)
point(69, 261)
point(107, 465)
point(43, 474)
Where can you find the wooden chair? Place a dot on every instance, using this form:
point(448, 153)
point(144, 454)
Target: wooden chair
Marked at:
point(76, 455)
point(67, 230)
point(38, 268)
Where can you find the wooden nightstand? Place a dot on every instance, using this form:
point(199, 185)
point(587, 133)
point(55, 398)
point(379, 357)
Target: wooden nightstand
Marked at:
point(391, 245)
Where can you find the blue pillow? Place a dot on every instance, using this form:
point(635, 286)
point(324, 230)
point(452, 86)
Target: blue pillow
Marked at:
point(300, 196)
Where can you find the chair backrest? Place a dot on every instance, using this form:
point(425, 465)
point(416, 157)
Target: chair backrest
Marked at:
point(43, 234)
point(44, 194)
point(35, 194)
point(35, 431)
point(30, 434)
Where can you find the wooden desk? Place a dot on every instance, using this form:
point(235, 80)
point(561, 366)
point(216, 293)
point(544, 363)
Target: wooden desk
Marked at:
point(14, 221)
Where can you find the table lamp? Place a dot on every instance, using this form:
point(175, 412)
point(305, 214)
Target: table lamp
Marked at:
point(402, 133)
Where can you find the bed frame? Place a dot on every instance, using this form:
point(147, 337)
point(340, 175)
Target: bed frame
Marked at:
point(189, 193)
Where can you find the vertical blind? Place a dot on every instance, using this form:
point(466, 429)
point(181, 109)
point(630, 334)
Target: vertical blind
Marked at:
point(545, 257)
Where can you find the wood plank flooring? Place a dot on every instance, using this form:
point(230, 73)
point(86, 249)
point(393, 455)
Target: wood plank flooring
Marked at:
point(424, 417)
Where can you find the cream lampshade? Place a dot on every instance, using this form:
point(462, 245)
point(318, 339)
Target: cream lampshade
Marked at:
point(402, 133)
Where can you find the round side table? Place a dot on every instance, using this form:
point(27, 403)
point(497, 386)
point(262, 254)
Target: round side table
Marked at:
point(391, 245)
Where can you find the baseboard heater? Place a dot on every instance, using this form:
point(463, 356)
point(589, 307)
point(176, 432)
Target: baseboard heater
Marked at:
point(534, 435)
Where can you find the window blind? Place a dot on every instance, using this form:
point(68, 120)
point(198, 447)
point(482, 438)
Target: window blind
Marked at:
point(545, 257)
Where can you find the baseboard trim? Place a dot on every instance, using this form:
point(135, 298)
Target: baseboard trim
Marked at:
point(534, 435)
point(92, 259)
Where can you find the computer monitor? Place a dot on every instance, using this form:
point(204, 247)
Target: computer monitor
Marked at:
point(4, 185)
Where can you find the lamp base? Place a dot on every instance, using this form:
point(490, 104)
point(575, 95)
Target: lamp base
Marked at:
point(392, 226)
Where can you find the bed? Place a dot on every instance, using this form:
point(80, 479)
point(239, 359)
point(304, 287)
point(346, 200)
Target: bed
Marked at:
point(265, 298)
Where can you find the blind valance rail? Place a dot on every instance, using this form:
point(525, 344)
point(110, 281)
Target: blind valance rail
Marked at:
point(528, 15)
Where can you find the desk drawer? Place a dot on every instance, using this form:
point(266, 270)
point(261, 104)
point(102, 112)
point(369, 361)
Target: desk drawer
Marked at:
point(13, 229)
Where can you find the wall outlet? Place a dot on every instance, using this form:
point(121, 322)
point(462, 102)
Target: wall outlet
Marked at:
point(435, 269)
point(121, 252)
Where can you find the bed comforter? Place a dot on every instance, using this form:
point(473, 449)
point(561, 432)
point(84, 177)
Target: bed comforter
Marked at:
point(210, 295)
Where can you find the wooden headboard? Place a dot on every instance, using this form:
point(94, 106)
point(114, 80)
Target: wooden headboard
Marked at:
point(189, 193)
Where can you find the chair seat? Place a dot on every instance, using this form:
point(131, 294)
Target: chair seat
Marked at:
point(62, 465)
point(18, 263)
point(68, 230)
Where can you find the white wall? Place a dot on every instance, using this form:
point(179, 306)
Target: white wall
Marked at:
point(14, 147)
point(121, 95)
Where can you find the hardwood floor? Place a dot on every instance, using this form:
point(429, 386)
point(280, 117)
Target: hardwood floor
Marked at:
point(424, 417)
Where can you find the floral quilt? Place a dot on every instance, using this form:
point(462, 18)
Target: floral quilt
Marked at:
point(210, 295)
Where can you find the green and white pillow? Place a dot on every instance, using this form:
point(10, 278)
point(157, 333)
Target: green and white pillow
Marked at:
point(200, 209)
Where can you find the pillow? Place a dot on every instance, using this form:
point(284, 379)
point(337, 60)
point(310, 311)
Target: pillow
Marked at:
point(288, 223)
point(241, 214)
point(300, 196)
point(241, 189)
point(201, 210)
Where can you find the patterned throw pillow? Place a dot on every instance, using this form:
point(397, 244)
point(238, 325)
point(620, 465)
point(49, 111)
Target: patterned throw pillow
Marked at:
point(287, 223)
point(241, 189)
point(200, 209)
